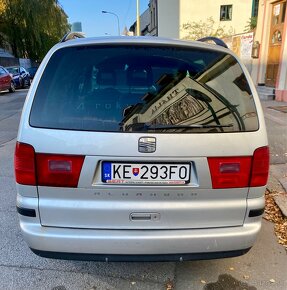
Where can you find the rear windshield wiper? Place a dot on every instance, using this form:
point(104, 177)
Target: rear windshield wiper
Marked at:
point(147, 126)
point(160, 127)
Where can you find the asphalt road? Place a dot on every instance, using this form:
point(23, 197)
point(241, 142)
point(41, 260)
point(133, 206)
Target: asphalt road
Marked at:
point(264, 267)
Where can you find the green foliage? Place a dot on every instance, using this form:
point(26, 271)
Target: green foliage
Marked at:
point(251, 24)
point(195, 30)
point(32, 27)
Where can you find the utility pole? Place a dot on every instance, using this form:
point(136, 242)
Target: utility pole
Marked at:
point(138, 18)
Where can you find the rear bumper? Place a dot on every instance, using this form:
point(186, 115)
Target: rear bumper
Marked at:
point(139, 258)
point(113, 245)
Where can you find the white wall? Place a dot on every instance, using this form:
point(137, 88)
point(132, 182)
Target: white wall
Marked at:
point(168, 18)
point(196, 10)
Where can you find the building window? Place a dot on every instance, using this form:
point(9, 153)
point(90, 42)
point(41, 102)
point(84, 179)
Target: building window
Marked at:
point(225, 12)
point(255, 5)
point(153, 14)
point(152, 18)
point(283, 12)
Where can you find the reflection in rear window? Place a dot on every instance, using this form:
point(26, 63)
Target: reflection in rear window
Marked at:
point(143, 89)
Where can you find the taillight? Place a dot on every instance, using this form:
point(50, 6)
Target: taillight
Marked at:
point(230, 172)
point(24, 164)
point(46, 169)
point(245, 171)
point(58, 170)
point(260, 167)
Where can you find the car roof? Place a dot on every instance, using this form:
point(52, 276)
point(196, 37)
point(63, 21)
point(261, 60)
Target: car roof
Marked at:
point(145, 40)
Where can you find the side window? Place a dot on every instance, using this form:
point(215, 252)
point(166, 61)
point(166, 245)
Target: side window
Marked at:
point(2, 72)
point(225, 12)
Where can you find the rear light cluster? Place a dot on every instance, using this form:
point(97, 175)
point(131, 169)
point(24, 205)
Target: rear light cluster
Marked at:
point(244, 171)
point(64, 170)
point(46, 169)
point(24, 164)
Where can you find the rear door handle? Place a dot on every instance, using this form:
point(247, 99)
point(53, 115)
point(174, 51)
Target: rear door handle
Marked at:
point(144, 216)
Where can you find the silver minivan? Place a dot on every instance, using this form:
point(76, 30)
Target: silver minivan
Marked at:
point(135, 148)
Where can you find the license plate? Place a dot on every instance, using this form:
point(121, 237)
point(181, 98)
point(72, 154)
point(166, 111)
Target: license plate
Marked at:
point(148, 173)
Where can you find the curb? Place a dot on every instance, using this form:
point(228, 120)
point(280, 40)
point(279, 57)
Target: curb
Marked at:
point(278, 182)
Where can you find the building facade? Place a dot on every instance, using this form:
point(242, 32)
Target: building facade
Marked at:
point(148, 21)
point(270, 68)
point(232, 15)
point(168, 17)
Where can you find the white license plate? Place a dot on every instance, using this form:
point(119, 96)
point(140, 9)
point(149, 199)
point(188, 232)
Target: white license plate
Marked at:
point(148, 173)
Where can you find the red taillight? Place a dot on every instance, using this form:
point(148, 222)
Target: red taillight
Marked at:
point(260, 167)
point(245, 171)
point(24, 164)
point(230, 172)
point(46, 169)
point(58, 170)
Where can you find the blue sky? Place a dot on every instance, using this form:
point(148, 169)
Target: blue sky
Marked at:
point(94, 22)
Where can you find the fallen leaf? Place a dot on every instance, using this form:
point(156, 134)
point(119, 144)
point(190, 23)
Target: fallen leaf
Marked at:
point(169, 285)
point(274, 214)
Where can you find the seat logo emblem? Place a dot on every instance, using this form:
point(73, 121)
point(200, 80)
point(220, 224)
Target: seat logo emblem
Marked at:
point(147, 144)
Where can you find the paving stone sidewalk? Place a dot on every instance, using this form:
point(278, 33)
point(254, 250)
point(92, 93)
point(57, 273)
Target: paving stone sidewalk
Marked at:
point(277, 135)
point(278, 182)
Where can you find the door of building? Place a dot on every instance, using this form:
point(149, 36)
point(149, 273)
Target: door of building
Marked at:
point(275, 41)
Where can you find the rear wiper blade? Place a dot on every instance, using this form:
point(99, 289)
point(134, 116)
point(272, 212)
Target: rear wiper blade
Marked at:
point(146, 126)
point(194, 126)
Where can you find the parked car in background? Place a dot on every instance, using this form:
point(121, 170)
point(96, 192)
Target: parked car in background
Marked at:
point(20, 76)
point(32, 71)
point(6, 81)
point(154, 149)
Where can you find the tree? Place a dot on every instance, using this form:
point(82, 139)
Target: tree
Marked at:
point(32, 27)
point(251, 24)
point(195, 30)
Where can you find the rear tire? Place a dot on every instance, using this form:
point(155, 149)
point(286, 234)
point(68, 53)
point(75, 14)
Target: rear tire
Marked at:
point(22, 83)
point(12, 88)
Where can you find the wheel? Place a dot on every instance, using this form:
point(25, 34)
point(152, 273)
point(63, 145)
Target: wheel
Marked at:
point(12, 87)
point(22, 83)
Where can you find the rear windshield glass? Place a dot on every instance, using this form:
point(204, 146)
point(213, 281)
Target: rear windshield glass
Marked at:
point(128, 88)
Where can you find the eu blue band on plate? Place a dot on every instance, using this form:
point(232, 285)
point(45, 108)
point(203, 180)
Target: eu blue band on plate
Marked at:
point(107, 171)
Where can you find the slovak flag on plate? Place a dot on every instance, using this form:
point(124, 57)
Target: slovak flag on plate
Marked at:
point(136, 171)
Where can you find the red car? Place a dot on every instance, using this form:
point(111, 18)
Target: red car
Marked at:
point(6, 81)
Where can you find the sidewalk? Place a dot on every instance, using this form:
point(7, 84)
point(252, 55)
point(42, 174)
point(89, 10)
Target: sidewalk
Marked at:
point(275, 114)
point(276, 124)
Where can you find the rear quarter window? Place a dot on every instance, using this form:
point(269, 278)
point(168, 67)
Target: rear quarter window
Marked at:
point(125, 88)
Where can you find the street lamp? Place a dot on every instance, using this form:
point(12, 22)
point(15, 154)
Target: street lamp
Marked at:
point(107, 12)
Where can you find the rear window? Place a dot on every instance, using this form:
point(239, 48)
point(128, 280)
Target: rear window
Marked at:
point(128, 88)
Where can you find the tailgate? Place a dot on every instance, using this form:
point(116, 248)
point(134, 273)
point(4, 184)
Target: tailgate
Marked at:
point(101, 205)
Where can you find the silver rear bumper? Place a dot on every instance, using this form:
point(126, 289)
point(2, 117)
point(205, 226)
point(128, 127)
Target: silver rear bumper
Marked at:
point(139, 242)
